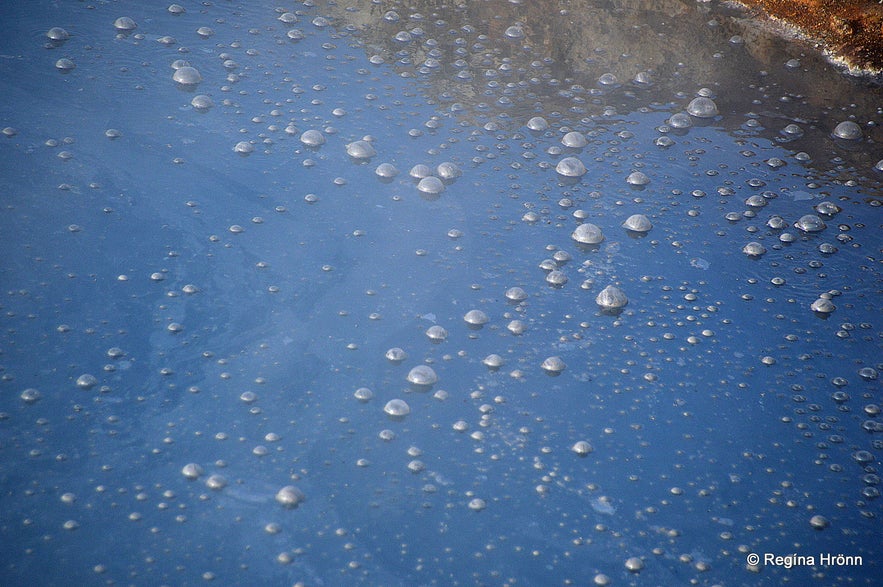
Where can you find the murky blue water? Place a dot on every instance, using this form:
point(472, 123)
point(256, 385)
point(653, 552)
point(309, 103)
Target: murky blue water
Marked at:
point(227, 307)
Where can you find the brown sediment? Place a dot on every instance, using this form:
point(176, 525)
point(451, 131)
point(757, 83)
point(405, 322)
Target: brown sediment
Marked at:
point(850, 30)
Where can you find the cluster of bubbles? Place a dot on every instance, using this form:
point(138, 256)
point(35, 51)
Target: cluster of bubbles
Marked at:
point(601, 175)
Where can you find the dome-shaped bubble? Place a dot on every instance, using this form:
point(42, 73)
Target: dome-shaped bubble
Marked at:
point(553, 365)
point(611, 298)
point(64, 65)
point(638, 223)
point(848, 131)
point(537, 123)
point(363, 394)
point(30, 395)
point(574, 140)
point(124, 23)
point(516, 294)
point(582, 448)
point(58, 34)
point(643, 78)
point(493, 361)
point(420, 171)
point(637, 178)
point(607, 79)
point(396, 355)
point(515, 32)
point(216, 482)
point(244, 148)
point(448, 171)
point(436, 333)
point(756, 201)
point(290, 497)
point(386, 171)
point(312, 138)
point(587, 234)
point(827, 208)
point(776, 223)
point(431, 185)
point(187, 76)
point(360, 150)
point(475, 318)
point(810, 223)
point(571, 167)
point(87, 381)
point(556, 278)
point(702, 107)
point(191, 471)
point(754, 249)
point(823, 306)
point(202, 102)
point(422, 375)
point(680, 120)
point(397, 408)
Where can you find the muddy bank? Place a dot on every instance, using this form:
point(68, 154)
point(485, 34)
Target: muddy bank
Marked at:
point(851, 31)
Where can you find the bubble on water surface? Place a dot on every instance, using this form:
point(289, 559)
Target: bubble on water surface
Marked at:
point(360, 150)
point(553, 365)
point(848, 131)
point(431, 186)
point(397, 408)
point(422, 376)
point(386, 171)
point(58, 34)
point(187, 76)
point(611, 298)
point(810, 223)
point(827, 208)
point(243, 148)
point(290, 497)
point(65, 65)
point(396, 355)
point(477, 504)
point(680, 120)
point(587, 234)
point(493, 361)
point(516, 294)
point(192, 471)
point(30, 395)
point(582, 448)
point(637, 223)
point(537, 123)
point(437, 333)
point(87, 381)
point(823, 306)
point(475, 318)
point(202, 103)
point(216, 482)
point(754, 249)
point(124, 23)
point(448, 171)
point(574, 140)
point(637, 179)
point(571, 167)
point(312, 138)
point(702, 107)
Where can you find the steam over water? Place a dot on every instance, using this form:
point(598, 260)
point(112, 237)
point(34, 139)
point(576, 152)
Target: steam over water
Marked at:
point(492, 293)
